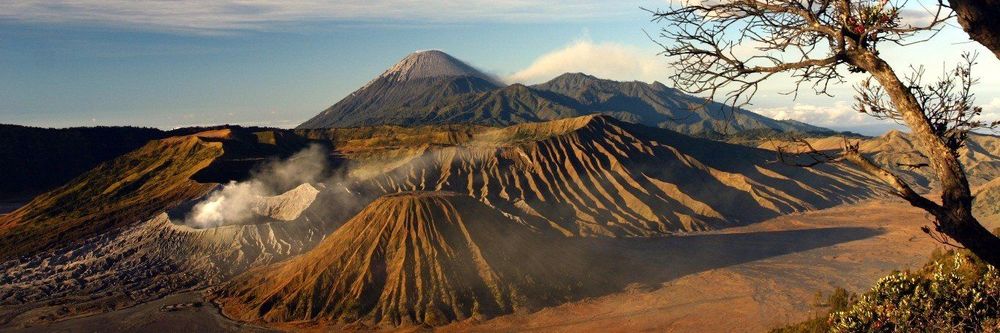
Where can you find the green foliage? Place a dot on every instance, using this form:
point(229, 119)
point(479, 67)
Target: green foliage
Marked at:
point(953, 292)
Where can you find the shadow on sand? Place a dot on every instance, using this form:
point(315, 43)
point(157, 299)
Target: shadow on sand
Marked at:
point(613, 264)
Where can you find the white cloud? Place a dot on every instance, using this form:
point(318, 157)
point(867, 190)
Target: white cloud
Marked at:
point(838, 114)
point(991, 110)
point(604, 60)
point(223, 15)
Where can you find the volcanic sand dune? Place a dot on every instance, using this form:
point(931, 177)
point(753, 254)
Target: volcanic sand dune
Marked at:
point(594, 175)
point(412, 258)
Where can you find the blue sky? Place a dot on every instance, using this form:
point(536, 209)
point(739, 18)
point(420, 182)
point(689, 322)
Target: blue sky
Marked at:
point(171, 64)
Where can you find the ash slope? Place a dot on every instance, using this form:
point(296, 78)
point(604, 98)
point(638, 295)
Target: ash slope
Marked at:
point(986, 206)
point(155, 258)
point(595, 175)
point(432, 87)
point(409, 258)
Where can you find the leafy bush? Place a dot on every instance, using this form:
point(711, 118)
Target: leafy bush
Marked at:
point(953, 292)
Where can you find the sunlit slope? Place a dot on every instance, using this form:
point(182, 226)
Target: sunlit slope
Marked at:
point(986, 205)
point(34, 160)
point(410, 258)
point(122, 191)
point(595, 175)
point(898, 152)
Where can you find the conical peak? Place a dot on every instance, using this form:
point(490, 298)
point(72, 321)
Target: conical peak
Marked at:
point(432, 63)
point(423, 208)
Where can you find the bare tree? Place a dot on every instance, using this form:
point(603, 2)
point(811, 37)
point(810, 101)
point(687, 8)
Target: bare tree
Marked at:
point(979, 19)
point(727, 48)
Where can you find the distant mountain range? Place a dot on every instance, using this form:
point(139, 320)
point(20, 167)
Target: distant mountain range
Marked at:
point(432, 87)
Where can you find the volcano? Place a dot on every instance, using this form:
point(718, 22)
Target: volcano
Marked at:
point(417, 81)
point(409, 258)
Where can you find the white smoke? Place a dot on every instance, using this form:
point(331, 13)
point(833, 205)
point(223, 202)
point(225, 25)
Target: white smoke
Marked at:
point(606, 60)
point(234, 202)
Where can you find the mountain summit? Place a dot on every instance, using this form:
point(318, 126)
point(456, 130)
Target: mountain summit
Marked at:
point(431, 64)
point(417, 81)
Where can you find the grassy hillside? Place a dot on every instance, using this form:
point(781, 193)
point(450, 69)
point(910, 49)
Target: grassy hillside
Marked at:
point(132, 187)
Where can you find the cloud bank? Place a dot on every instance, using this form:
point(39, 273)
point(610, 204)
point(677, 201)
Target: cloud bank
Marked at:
point(221, 15)
point(605, 60)
point(839, 113)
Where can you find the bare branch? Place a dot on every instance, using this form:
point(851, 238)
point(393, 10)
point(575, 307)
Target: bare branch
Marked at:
point(900, 188)
point(948, 102)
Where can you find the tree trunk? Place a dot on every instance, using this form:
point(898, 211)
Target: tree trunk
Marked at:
point(954, 215)
point(973, 236)
point(981, 20)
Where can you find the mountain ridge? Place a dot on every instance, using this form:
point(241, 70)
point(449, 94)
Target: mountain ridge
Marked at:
point(433, 88)
point(593, 175)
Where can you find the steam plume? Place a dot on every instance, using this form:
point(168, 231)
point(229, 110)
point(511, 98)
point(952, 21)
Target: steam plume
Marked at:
point(234, 202)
